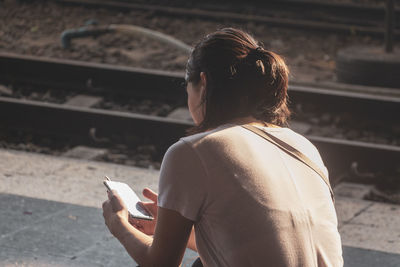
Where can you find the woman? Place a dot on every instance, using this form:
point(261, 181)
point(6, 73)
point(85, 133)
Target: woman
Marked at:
point(226, 192)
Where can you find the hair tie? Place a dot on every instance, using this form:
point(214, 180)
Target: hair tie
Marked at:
point(255, 56)
point(256, 53)
point(259, 49)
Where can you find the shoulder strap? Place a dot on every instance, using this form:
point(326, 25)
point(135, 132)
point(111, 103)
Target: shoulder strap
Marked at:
point(291, 151)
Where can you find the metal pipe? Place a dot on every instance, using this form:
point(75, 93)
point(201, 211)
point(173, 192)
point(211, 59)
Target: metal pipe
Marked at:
point(86, 31)
point(90, 30)
point(389, 25)
point(161, 37)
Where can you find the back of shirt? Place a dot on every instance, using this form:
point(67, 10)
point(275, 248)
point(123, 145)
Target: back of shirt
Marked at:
point(252, 204)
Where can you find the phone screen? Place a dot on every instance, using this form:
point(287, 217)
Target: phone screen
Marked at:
point(131, 200)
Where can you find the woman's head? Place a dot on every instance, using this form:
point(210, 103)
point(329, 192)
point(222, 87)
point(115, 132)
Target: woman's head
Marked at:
point(234, 77)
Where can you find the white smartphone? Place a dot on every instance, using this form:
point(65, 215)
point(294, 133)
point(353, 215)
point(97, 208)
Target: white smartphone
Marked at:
point(129, 197)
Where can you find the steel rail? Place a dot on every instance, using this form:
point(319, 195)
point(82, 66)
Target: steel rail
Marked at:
point(104, 78)
point(80, 75)
point(77, 122)
point(340, 154)
point(223, 15)
point(374, 10)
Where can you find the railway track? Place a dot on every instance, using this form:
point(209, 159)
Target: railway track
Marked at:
point(83, 122)
point(340, 17)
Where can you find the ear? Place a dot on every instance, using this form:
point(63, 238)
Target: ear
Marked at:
point(203, 84)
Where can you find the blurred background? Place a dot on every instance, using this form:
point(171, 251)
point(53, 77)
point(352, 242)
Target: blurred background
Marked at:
point(103, 81)
point(342, 55)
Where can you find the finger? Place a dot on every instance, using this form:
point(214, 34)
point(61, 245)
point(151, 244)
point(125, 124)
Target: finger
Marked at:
point(136, 223)
point(105, 205)
point(140, 222)
point(111, 193)
point(131, 220)
point(117, 202)
point(150, 194)
point(151, 207)
point(106, 208)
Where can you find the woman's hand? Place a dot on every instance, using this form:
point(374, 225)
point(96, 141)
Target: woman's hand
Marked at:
point(115, 214)
point(146, 226)
point(170, 237)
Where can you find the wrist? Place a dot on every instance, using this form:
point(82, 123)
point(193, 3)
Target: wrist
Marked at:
point(121, 227)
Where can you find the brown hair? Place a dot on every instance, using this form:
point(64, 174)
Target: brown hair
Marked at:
point(243, 79)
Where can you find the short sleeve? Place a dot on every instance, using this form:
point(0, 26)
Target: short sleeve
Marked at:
point(182, 185)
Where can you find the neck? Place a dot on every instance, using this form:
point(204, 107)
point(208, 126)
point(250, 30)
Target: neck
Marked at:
point(251, 120)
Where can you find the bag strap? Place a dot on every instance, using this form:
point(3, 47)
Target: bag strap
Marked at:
point(292, 152)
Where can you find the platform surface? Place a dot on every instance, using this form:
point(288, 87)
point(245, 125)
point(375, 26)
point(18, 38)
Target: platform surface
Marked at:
point(50, 215)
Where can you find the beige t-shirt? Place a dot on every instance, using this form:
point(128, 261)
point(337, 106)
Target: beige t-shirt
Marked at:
point(252, 204)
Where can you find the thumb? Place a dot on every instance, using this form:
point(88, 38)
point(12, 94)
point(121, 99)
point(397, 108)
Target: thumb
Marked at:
point(116, 201)
point(150, 194)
